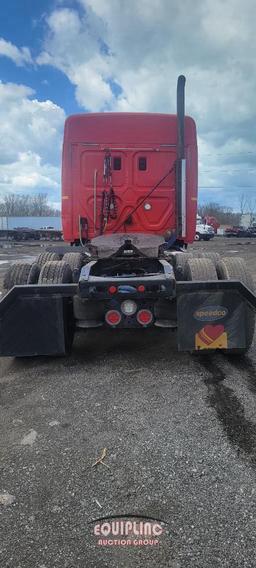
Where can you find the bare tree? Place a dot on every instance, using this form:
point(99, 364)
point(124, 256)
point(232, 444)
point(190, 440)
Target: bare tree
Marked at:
point(224, 215)
point(243, 203)
point(251, 206)
point(25, 205)
point(9, 203)
point(39, 205)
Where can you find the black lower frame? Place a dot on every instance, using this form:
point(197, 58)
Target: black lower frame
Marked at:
point(39, 320)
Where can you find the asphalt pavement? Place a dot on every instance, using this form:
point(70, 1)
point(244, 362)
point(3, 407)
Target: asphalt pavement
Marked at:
point(180, 439)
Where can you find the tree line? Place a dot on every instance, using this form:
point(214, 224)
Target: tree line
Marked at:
point(26, 205)
point(226, 215)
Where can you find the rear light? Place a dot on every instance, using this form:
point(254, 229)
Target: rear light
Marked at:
point(113, 317)
point(141, 288)
point(112, 289)
point(129, 307)
point(144, 317)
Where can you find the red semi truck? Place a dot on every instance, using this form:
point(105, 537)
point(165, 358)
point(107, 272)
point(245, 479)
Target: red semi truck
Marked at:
point(129, 202)
point(120, 157)
point(212, 221)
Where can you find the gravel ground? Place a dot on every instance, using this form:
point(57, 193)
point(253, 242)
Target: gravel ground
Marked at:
point(180, 433)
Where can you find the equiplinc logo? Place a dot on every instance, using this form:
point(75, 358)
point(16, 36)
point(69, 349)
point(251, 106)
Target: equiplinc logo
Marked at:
point(128, 530)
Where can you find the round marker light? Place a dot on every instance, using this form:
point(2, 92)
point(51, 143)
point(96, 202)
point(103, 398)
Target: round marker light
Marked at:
point(113, 317)
point(112, 289)
point(141, 288)
point(144, 317)
point(128, 307)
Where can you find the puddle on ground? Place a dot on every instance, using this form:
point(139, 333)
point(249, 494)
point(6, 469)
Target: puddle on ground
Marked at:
point(216, 375)
point(240, 431)
point(246, 365)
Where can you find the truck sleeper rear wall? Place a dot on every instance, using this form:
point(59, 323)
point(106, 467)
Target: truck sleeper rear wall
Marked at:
point(143, 148)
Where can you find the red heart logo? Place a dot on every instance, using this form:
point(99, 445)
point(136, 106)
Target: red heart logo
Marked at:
point(214, 331)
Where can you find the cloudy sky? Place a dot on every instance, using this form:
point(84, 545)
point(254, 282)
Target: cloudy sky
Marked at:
point(58, 57)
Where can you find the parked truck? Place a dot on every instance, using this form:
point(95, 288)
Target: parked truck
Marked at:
point(204, 232)
point(213, 222)
point(129, 203)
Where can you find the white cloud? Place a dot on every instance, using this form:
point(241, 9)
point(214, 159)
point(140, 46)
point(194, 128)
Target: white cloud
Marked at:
point(143, 46)
point(28, 124)
point(28, 172)
point(73, 47)
point(20, 56)
point(126, 56)
point(92, 89)
point(30, 142)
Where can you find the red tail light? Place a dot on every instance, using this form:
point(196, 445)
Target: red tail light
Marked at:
point(144, 317)
point(113, 317)
point(112, 289)
point(141, 288)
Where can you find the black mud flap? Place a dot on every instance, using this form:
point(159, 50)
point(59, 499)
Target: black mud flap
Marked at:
point(212, 315)
point(36, 320)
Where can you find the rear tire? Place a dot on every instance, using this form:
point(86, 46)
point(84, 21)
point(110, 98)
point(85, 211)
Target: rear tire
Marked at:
point(231, 268)
point(55, 272)
point(200, 269)
point(75, 260)
point(213, 256)
point(180, 262)
point(21, 273)
point(46, 257)
point(33, 274)
point(234, 268)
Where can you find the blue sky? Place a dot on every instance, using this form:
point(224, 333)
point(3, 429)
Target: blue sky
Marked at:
point(23, 23)
point(62, 57)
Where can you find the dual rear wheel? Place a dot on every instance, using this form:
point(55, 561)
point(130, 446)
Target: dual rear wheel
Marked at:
point(67, 270)
point(48, 269)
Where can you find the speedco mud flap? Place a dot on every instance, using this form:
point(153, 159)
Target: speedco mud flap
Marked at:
point(36, 320)
point(213, 315)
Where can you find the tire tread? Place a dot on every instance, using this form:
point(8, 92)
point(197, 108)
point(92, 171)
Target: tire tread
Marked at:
point(55, 272)
point(200, 269)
